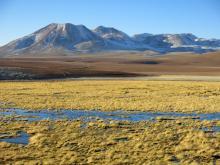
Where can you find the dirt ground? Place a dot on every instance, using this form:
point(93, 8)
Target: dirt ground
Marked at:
point(116, 65)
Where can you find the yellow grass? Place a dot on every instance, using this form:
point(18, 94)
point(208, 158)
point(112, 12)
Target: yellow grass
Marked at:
point(65, 142)
point(108, 95)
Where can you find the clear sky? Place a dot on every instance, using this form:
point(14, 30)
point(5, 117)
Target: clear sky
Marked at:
point(201, 17)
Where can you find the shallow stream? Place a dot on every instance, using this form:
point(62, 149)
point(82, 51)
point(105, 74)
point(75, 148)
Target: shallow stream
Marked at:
point(85, 115)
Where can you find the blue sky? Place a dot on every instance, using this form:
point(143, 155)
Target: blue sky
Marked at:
point(201, 17)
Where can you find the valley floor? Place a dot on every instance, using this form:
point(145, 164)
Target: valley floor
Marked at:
point(127, 64)
point(179, 140)
point(107, 95)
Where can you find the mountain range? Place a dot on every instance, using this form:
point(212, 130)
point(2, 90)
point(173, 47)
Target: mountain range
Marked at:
point(71, 38)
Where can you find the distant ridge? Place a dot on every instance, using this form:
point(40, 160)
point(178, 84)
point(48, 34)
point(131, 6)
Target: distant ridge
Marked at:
point(71, 38)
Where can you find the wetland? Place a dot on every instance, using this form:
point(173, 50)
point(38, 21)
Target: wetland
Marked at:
point(98, 122)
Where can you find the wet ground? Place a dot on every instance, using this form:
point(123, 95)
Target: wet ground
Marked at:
point(19, 114)
point(22, 137)
point(179, 141)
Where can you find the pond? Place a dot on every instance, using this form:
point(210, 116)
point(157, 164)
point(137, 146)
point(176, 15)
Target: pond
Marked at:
point(21, 138)
point(85, 115)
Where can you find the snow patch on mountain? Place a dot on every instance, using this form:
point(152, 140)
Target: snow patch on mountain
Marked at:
point(78, 38)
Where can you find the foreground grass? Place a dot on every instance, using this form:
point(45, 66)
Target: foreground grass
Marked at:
point(112, 95)
point(67, 142)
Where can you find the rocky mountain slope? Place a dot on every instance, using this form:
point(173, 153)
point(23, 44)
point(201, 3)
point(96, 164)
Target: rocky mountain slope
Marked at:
point(71, 38)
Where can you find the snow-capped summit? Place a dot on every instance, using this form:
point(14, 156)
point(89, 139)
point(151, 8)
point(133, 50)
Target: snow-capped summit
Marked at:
point(78, 38)
point(111, 33)
point(180, 39)
point(67, 37)
point(116, 39)
point(176, 42)
point(159, 40)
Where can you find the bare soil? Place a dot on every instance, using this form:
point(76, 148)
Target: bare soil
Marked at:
point(115, 65)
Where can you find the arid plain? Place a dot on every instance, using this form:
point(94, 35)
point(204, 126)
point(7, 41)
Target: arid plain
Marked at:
point(115, 65)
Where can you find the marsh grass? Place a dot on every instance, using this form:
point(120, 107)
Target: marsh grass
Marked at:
point(176, 141)
point(66, 142)
point(112, 95)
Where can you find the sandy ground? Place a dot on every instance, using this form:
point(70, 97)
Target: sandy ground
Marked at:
point(155, 78)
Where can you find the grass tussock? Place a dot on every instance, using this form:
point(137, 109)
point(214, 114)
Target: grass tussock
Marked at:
point(112, 95)
point(67, 142)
